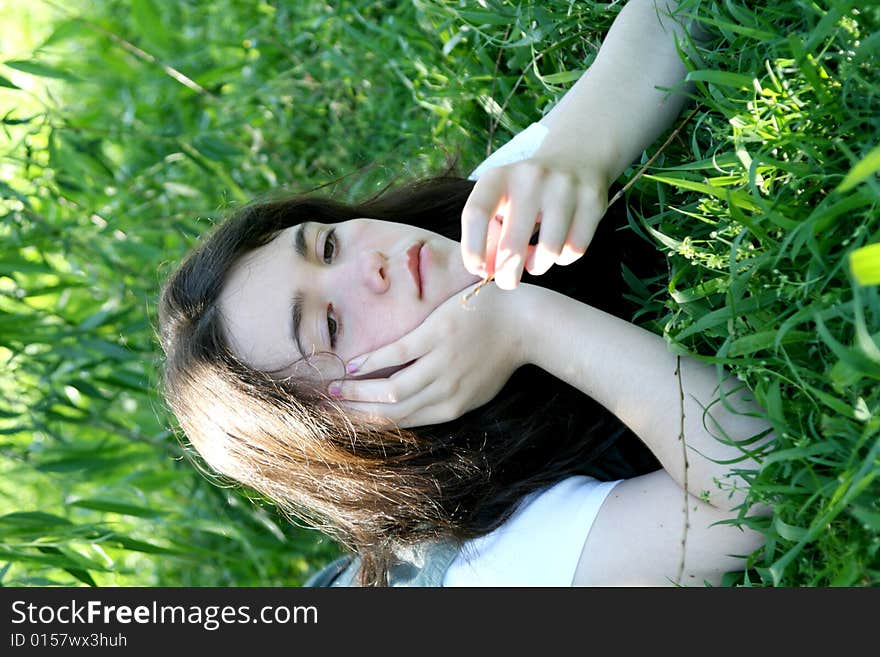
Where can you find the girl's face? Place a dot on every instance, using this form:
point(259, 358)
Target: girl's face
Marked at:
point(344, 288)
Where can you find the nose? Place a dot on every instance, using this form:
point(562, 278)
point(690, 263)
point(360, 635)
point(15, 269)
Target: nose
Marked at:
point(374, 272)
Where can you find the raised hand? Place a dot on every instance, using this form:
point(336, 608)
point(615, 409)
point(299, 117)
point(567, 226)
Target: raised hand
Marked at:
point(456, 360)
point(566, 202)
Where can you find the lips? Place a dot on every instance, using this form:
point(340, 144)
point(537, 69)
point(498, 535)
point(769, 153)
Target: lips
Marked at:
point(413, 260)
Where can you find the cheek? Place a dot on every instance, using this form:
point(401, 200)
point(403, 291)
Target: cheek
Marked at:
point(378, 325)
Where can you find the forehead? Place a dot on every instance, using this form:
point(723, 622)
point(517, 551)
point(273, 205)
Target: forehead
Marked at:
point(256, 301)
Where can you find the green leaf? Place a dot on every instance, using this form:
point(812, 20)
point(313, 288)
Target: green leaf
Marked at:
point(125, 380)
point(700, 291)
point(63, 561)
point(721, 316)
point(868, 165)
point(40, 69)
point(9, 84)
point(142, 546)
point(87, 388)
point(8, 431)
point(30, 520)
point(97, 504)
point(788, 532)
point(8, 121)
point(8, 414)
point(843, 376)
point(864, 264)
point(17, 265)
point(454, 41)
point(749, 344)
point(152, 480)
point(107, 348)
point(484, 17)
point(799, 453)
point(866, 343)
point(69, 29)
point(752, 33)
point(562, 77)
point(77, 463)
point(669, 242)
point(95, 320)
point(721, 79)
point(833, 402)
point(858, 359)
point(848, 574)
point(737, 198)
point(79, 573)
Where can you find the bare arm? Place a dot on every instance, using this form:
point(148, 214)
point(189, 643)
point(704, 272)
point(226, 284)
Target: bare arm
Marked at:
point(615, 111)
point(661, 528)
point(632, 373)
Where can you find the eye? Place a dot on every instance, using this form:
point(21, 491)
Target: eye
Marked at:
point(330, 246)
point(332, 326)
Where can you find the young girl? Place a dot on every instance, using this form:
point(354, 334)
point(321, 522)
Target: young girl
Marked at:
point(324, 355)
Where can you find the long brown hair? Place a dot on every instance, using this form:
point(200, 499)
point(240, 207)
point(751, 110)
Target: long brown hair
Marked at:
point(375, 489)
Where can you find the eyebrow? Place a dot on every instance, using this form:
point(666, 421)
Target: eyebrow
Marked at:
point(299, 244)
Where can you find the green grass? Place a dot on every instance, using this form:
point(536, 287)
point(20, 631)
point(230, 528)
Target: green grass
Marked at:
point(137, 123)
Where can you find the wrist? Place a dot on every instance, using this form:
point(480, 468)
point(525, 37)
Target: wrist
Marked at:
point(535, 322)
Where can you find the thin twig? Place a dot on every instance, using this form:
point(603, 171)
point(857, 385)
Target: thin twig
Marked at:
point(617, 196)
point(684, 531)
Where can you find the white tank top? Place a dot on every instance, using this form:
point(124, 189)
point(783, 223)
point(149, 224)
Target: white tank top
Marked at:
point(540, 544)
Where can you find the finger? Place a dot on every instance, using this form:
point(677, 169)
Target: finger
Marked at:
point(376, 413)
point(589, 211)
point(410, 412)
point(435, 414)
point(434, 405)
point(559, 205)
point(479, 209)
point(517, 229)
point(492, 241)
point(411, 346)
point(392, 390)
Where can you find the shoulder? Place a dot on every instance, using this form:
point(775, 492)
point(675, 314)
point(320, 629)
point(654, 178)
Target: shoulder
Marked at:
point(638, 538)
point(539, 544)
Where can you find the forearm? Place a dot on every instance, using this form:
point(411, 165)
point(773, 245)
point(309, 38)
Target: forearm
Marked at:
point(632, 373)
point(614, 112)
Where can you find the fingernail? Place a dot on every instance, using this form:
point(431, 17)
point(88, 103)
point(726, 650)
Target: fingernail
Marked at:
point(510, 265)
point(476, 268)
point(354, 365)
point(335, 390)
point(544, 259)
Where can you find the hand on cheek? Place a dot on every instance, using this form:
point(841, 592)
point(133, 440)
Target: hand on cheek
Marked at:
point(454, 361)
